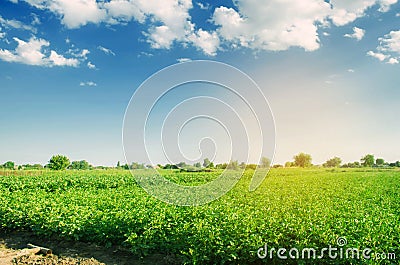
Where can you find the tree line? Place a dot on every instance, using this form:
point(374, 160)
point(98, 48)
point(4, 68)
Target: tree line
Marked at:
point(303, 160)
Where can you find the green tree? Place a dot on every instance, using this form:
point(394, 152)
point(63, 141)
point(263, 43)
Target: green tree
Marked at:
point(251, 166)
point(206, 162)
point(380, 161)
point(368, 160)
point(198, 165)
point(265, 162)
point(333, 162)
point(58, 162)
point(289, 164)
point(136, 165)
point(80, 165)
point(221, 166)
point(233, 165)
point(9, 165)
point(181, 165)
point(302, 160)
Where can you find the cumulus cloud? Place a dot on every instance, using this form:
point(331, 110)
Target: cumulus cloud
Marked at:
point(344, 11)
point(389, 48)
point(393, 61)
point(390, 43)
point(357, 34)
point(88, 83)
point(380, 56)
point(278, 25)
point(206, 41)
point(261, 25)
point(32, 53)
point(168, 21)
point(73, 13)
point(56, 59)
point(272, 25)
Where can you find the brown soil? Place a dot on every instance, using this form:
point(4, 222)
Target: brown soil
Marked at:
point(13, 250)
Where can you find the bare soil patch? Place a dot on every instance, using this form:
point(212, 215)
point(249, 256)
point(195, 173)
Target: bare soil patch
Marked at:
point(13, 250)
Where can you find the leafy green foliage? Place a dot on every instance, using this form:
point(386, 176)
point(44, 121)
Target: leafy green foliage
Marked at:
point(206, 162)
point(233, 165)
point(58, 162)
point(368, 160)
point(292, 208)
point(265, 162)
point(80, 165)
point(380, 161)
point(9, 165)
point(333, 162)
point(302, 160)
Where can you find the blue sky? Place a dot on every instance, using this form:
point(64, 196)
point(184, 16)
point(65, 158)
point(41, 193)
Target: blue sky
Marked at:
point(68, 68)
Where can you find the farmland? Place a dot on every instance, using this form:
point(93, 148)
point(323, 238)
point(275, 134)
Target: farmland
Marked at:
point(302, 208)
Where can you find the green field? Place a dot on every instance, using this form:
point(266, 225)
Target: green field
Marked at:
point(302, 208)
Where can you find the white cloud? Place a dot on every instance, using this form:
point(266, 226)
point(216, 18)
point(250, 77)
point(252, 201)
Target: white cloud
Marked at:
point(105, 50)
point(2, 34)
point(84, 53)
point(272, 25)
point(260, 25)
point(386, 4)
point(350, 70)
point(208, 42)
point(123, 10)
point(205, 6)
point(168, 20)
point(35, 20)
point(32, 53)
point(389, 48)
point(73, 13)
point(183, 60)
point(161, 37)
point(380, 56)
point(56, 59)
point(91, 66)
point(325, 33)
point(16, 24)
point(393, 61)
point(390, 42)
point(145, 54)
point(88, 83)
point(345, 11)
point(357, 34)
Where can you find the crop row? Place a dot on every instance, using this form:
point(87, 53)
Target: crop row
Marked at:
point(292, 208)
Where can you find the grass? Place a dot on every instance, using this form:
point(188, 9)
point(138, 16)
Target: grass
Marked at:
point(292, 208)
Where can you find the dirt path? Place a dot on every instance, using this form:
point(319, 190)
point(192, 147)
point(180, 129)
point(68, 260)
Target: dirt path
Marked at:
point(13, 250)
